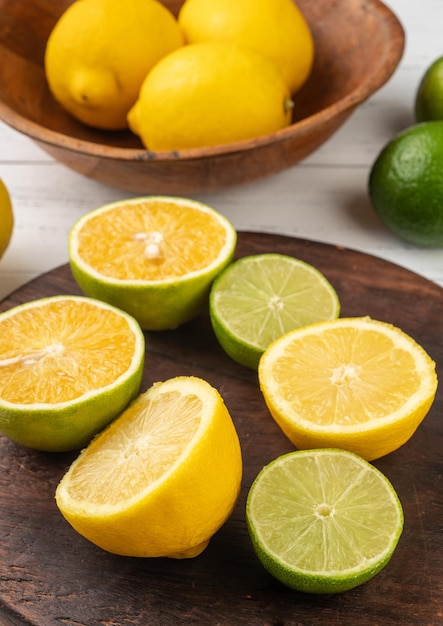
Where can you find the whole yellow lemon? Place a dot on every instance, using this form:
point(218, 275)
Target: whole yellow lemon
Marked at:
point(208, 94)
point(99, 52)
point(6, 218)
point(276, 28)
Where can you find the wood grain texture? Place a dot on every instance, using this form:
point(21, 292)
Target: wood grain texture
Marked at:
point(50, 576)
point(358, 45)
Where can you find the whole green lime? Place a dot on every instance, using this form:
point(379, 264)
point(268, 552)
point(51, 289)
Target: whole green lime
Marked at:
point(429, 96)
point(406, 184)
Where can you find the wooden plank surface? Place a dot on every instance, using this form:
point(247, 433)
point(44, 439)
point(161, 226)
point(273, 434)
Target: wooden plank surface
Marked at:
point(50, 576)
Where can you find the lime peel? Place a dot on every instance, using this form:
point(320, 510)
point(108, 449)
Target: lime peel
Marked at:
point(261, 297)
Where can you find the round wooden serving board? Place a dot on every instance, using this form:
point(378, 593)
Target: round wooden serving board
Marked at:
point(51, 576)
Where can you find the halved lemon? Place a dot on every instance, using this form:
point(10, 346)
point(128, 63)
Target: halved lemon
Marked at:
point(162, 478)
point(353, 383)
point(260, 297)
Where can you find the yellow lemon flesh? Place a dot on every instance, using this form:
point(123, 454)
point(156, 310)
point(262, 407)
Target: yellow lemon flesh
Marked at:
point(100, 51)
point(6, 218)
point(68, 366)
point(154, 257)
point(275, 28)
point(162, 478)
point(208, 94)
point(352, 383)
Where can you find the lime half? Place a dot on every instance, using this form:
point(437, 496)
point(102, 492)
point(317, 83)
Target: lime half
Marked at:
point(323, 521)
point(259, 298)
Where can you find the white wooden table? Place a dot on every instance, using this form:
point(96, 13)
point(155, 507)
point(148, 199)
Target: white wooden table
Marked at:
point(324, 198)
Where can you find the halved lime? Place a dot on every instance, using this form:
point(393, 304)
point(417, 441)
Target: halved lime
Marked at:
point(323, 521)
point(259, 298)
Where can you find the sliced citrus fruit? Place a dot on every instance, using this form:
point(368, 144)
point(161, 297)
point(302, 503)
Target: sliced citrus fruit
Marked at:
point(323, 521)
point(162, 478)
point(261, 297)
point(154, 257)
point(68, 366)
point(352, 383)
point(98, 53)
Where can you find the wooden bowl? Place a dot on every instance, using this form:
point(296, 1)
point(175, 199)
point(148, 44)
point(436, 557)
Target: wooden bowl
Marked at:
point(358, 44)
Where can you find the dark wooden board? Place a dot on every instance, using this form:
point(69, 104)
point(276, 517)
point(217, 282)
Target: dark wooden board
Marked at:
point(50, 576)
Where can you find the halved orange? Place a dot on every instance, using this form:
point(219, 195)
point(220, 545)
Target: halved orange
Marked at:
point(154, 257)
point(68, 366)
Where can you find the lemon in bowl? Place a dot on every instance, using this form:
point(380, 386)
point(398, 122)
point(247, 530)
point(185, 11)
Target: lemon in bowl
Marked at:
point(210, 94)
point(98, 54)
point(356, 52)
point(275, 28)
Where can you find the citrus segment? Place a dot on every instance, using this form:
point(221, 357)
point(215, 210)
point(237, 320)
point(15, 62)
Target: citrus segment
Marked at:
point(323, 521)
point(68, 366)
point(352, 383)
point(153, 257)
point(261, 297)
point(162, 478)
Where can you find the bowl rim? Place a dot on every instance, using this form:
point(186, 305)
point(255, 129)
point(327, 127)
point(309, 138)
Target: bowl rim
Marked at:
point(391, 58)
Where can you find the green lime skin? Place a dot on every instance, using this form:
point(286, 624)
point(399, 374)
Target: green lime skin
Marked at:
point(260, 297)
point(406, 184)
point(429, 96)
point(320, 523)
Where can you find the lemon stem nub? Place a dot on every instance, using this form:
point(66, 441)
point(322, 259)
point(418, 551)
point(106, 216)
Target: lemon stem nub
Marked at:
point(289, 104)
